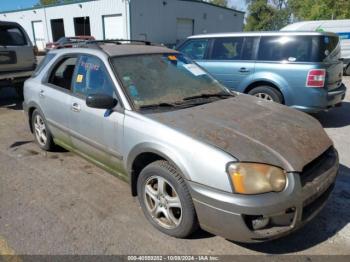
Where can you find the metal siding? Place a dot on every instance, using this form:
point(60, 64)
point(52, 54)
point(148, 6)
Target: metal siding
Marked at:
point(156, 19)
point(94, 9)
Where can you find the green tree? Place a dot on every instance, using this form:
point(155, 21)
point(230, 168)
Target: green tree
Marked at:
point(265, 15)
point(320, 9)
point(223, 3)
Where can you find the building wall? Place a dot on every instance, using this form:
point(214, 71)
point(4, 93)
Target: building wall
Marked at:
point(155, 20)
point(93, 9)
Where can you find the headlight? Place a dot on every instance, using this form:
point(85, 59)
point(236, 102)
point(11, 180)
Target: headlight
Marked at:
point(253, 178)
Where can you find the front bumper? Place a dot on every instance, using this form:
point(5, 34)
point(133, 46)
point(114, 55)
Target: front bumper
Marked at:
point(232, 215)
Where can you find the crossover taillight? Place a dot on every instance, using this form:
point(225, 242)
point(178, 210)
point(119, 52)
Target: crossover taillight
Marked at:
point(316, 78)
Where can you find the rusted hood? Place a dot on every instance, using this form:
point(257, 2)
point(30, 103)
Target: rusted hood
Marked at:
point(253, 130)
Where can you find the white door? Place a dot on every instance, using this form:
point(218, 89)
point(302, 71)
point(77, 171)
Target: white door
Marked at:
point(184, 28)
point(39, 35)
point(114, 27)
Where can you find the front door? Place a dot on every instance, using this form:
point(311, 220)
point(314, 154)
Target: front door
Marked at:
point(96, 133)
point(230, 62)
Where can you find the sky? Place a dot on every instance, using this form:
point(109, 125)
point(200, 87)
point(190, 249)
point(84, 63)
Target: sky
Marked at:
point(18, 4)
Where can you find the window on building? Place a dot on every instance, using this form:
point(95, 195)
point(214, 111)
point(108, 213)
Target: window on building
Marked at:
point(57, 29)
point(82, 25)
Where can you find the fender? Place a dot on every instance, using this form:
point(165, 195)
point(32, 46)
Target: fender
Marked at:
point(161, 150)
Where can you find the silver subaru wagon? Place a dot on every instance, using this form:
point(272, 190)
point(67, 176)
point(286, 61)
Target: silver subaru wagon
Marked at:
point(194, 153)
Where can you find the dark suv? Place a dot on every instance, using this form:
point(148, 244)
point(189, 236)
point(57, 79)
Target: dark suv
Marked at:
point(17, 59)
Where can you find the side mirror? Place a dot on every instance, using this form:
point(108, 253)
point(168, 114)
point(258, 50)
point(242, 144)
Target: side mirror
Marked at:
point(101, 101)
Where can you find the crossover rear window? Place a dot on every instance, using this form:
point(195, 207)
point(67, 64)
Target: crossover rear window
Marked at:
point(12, 35)
point(297, 48)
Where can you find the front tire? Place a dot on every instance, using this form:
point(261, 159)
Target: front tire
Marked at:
point(41, 132)
point(267, 93)
point(165, 200)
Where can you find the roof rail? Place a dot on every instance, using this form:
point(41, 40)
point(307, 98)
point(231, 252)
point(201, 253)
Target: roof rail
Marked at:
point(116, 41)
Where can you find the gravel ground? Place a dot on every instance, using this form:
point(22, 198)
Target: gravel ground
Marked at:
point(57, 203)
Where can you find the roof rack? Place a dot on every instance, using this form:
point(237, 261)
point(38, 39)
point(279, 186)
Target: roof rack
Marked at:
point(116, 41)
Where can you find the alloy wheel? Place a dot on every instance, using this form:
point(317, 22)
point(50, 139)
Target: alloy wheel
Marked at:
point(162, 202)
point(40, 130)
point(264, 96)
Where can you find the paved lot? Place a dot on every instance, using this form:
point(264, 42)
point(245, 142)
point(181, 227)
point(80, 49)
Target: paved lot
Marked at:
point(57, 203)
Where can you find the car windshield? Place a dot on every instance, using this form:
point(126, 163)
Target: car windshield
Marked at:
point(166, 80)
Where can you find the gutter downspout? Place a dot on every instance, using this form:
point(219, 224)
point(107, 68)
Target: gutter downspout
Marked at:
point(127, 19)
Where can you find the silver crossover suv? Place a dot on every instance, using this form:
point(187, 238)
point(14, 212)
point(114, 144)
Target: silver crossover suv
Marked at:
point(194, 153)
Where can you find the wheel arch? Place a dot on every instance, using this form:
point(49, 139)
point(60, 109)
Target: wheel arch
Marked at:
point(253, 85)
point(146, 153)
point(32, 106)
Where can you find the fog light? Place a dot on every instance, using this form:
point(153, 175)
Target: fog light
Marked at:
point(260, 222)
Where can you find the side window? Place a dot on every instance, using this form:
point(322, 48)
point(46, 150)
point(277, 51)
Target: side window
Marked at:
point(195, 49)
point(43, 63)
point(227, 48)
point(62, 74)
point(92, 77)
point(285, 48)
point(249, 48)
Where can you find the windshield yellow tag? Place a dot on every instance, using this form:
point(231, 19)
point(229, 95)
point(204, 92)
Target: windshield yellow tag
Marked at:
point(172, 58)
point(79, 78)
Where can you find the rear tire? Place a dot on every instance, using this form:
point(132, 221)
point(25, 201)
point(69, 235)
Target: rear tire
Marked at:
point(41, 132)
point(19, 90)
point(267, 93)
point(347, 70)
point(168, 208)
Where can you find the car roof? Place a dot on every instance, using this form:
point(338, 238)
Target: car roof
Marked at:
point(134, 49)
point(267, 33)
point(113, 49)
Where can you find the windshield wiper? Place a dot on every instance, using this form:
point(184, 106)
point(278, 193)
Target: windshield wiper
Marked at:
point(159, 105)
point(208, 96)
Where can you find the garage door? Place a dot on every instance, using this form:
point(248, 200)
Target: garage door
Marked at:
point(39, 35)
point(184, 28)
point(114, 27)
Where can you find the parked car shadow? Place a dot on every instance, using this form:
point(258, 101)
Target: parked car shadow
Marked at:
point(335, 117)
point(9, 99)
point(334, 217)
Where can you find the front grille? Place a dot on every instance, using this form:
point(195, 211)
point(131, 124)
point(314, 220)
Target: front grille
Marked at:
point(318, 166)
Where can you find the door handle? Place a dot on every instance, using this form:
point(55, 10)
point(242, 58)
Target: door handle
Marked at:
point(244, 70)
point(75, 107)
point(41, 93)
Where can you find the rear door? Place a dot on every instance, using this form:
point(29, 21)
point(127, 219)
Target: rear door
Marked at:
point(231, 60)
point(16, 51)
point(55, 96)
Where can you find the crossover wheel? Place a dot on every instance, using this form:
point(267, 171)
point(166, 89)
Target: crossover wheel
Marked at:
point(268, 93)
point(42, 134)
point(165, 199)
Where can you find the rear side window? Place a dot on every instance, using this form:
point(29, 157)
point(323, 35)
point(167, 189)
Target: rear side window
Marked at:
point(329, 47)
point(43, 63)
point(286, 48)
point(12, 36)
point(92, 77)
point(227, 48)
point(195, 49)
point(62, 74)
